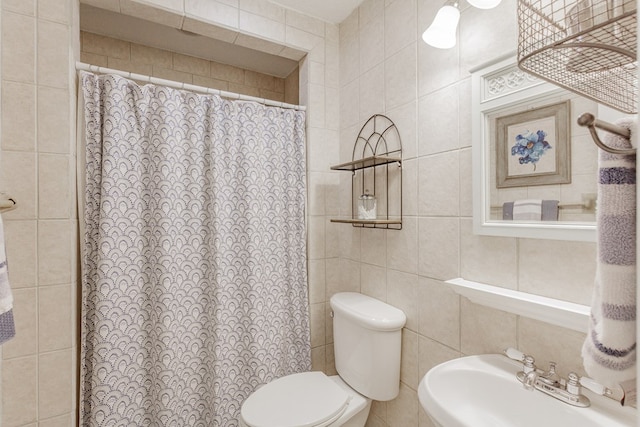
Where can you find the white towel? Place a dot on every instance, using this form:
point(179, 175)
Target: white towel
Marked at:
point(527, 210)
point(609, 352)
point(7, 327)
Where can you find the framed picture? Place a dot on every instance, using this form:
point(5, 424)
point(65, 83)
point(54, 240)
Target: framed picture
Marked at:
point(533, 147)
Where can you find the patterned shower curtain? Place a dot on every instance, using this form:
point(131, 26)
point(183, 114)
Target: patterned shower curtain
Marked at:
point(194, 259)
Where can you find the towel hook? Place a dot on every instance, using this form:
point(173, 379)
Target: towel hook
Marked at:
point(589, 121)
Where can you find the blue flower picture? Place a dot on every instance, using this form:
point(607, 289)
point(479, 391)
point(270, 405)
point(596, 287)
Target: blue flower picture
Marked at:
point(529, 147)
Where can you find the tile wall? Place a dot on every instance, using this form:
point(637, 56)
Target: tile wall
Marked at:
point(123, 55)
point(385, 67)
point(37, 167)
point(374, 62)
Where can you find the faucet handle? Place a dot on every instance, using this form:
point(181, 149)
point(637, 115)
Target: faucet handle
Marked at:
point(573, 385)
point(514, 354)
point(529, 364)
point(595, 387)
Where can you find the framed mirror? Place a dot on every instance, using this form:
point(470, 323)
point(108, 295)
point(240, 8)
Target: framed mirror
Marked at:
point(534, 167)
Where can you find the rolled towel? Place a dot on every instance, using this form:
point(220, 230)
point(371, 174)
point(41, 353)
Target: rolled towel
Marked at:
point(7, 326)
point(609, 351)
point(527, 210)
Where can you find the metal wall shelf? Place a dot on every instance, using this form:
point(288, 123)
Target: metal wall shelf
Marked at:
point(377, 147)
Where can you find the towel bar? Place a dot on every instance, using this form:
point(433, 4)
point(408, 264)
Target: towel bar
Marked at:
point(589, 121)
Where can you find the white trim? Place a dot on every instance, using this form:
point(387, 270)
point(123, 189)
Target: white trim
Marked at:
point(557, 312)
point(185, 86)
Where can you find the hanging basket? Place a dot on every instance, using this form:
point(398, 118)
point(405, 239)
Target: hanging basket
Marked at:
point(585, 46)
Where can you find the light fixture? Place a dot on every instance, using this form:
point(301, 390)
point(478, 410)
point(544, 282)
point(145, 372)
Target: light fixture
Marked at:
point(442, 31)
point(484, 4)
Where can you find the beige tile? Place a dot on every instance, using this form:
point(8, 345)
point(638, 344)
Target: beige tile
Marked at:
point(439, 317)
point(402, 247)
point(178, 76)
point(488, 259)
point(400, 77)
point(405, 119)
point(438, 247)
point(425, 420)
point(66, 420)
point(439, 184)
point(332, 238)
point(19, 179)
point(317, 318)
point(132, 67)
point(54, 121)
point(274, 96)
point(403, 410)
point(263, 27)
point(485, 330)
point(332, 108)
point(94, 59)
point(465, 115)
point(350, 106)
point(317, 281)
point(328, 333)
point(151, 55)
point(316, 238)
point(259, 80)
point(438, 129)
point(18, 47)
point(346, 279)
point(350, 243)
point(266, 9)
point(409, 365)
point(191, 65)
point(214, 12)
point(371, 82)
point(430, 78)
point(209, 82)
point(105, 46)
point(25, 318)
point(54, 319)
point(111, 5)
point(410, 187)
point(227, 73)
point(399, 25)
point(379, 410)
point(305, 22)
point(318, 356)
point(374, 246)
point(330, 364)
point(568, 273)
point(432, 353)
point(18, 116)
point(375, 421)
point(169, 13)
point(466, 183)
point(244, 90)
point(371, 44)
point(55, 386)
point(546, 342)
point(19, 391)
point(55, 10)
point(374, 281)
point(369, 10)
point(54, 252)
point(316, 110)
point(24, 7)
point(301, 40)
point(53, 54)
point(21, 252)
point(402, 292)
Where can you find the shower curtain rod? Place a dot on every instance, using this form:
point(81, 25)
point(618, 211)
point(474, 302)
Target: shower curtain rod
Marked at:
point(186, 86)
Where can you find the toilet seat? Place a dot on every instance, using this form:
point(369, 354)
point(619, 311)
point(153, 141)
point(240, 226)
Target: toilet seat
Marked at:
point(308, 399)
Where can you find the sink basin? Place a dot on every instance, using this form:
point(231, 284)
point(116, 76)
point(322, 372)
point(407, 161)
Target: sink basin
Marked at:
point(482, 391)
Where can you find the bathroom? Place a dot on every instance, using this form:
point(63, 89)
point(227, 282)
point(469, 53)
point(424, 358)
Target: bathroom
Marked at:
point(373, 61)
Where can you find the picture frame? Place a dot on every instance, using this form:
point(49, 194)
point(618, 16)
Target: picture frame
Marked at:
point(533, 147)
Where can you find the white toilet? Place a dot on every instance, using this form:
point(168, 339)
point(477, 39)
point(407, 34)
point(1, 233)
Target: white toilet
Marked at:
point(367, 339)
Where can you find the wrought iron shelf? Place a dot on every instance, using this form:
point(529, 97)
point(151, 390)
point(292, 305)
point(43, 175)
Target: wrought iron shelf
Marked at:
point(367, 162)
point(369, 221)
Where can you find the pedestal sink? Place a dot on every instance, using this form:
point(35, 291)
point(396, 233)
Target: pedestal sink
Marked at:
point(482, 391)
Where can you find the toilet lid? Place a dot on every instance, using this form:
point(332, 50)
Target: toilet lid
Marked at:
point(297, 400)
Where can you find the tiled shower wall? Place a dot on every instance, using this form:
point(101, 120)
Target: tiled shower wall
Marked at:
point(385, 67)
point(37, 169)
point(123, 55)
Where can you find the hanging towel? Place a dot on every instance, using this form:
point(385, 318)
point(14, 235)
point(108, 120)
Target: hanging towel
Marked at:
point(527, 210)
point(7, 327)
point(548, 209)
point(609, 351)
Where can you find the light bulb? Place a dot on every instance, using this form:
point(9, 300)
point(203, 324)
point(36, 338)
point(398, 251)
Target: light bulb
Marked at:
point(442, 31)
point(484, 4)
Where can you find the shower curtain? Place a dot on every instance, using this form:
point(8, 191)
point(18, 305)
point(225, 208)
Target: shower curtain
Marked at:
point(194, 274)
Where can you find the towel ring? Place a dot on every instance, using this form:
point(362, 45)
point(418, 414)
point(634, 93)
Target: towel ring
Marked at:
point(589, 121)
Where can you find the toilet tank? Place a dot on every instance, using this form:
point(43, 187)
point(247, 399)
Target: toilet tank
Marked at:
point(367, 337)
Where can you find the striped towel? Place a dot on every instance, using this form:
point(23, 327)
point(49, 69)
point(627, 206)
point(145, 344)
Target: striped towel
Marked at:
point(533, 210)
point(7, 327)
point(609, 352)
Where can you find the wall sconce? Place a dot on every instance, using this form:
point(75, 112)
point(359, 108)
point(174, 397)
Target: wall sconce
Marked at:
point(484, 4)
point(442, 31)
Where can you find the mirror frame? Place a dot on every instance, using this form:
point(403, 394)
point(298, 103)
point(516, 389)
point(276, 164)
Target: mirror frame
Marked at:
point(486, 98)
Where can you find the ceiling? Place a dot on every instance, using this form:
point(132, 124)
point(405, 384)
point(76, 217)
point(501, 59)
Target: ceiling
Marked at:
point(124, 27)
point(333, 11)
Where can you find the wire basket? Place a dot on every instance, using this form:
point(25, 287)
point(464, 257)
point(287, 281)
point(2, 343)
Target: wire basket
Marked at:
point(585, 46)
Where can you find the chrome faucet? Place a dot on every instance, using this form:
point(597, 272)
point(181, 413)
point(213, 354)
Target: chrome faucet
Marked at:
point(530, 373)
